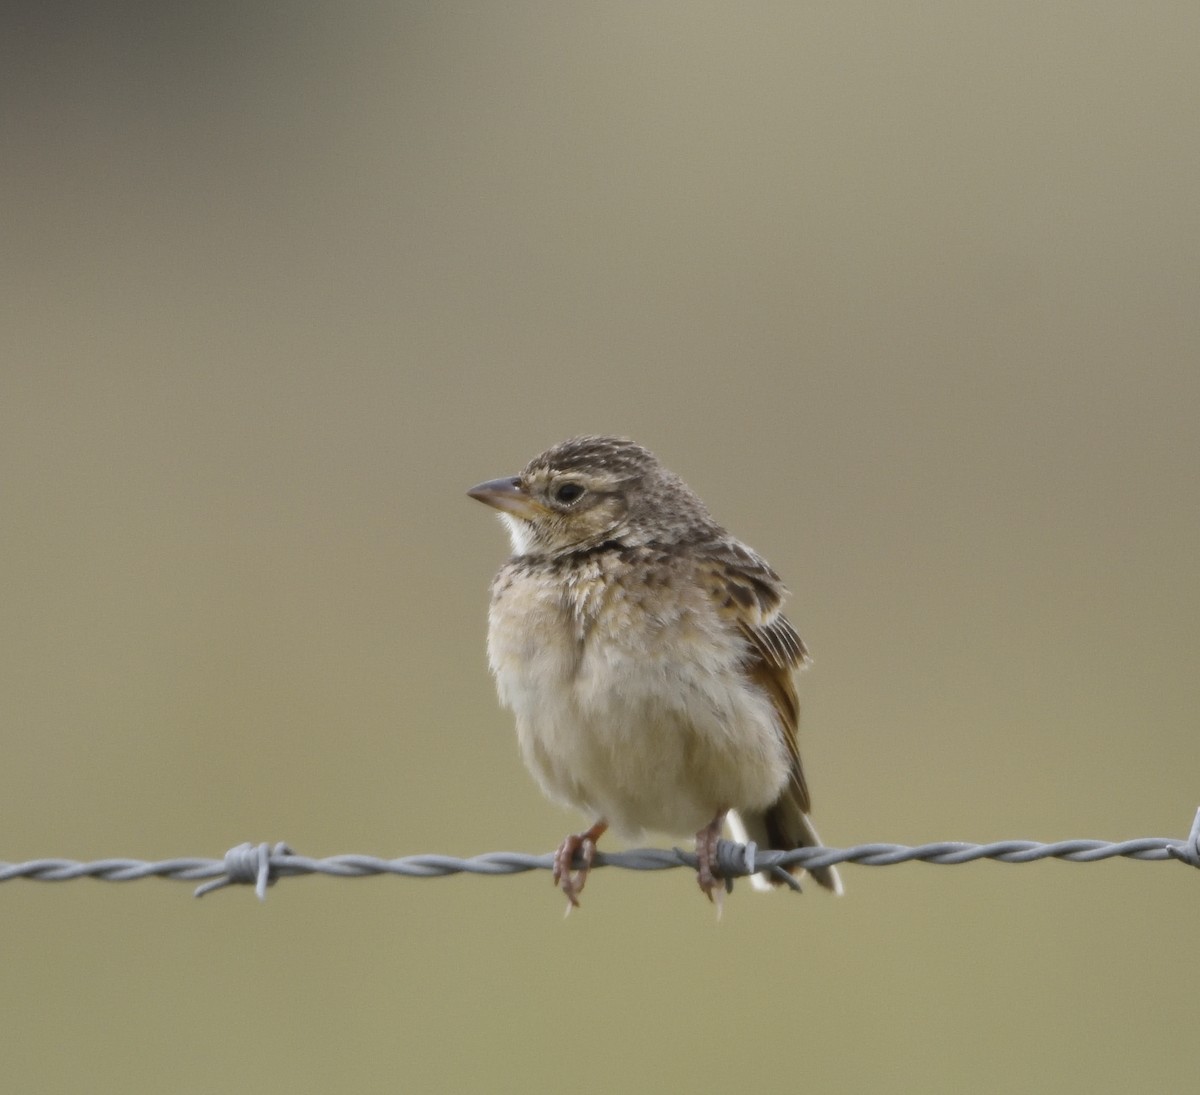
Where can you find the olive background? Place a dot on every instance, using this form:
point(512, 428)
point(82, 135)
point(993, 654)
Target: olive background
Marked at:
point(907, 292)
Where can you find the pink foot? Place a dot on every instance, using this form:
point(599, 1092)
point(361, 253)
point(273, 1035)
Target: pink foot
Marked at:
point(572, 882)
point(706, 858)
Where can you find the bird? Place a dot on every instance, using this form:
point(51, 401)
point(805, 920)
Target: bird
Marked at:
point(646, 658)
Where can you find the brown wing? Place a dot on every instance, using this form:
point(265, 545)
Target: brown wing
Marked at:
point(749, 594)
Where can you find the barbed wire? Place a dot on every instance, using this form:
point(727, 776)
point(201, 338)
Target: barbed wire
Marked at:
point(261, 865)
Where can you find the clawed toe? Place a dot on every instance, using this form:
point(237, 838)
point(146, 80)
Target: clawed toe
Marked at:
point(706, 859)
point(568, 879)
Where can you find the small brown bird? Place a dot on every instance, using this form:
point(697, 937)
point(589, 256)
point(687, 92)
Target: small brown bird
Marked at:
point(644, 654)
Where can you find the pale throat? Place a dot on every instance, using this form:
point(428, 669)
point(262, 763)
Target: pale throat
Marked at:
point(518, 533)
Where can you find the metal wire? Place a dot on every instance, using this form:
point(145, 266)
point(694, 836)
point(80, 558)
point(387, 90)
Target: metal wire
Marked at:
point(261, 865)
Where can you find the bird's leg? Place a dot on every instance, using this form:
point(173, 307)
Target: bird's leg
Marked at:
point(706, 855)
point(585, 844)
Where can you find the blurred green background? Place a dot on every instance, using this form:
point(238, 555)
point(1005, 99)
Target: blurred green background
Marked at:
point(909, 294)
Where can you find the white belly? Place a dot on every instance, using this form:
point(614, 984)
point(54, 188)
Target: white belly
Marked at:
point(647, 727)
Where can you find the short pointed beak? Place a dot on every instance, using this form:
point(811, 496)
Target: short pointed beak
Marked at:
point(508, 496)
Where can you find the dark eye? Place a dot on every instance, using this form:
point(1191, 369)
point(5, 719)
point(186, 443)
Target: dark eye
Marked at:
point(566, 493)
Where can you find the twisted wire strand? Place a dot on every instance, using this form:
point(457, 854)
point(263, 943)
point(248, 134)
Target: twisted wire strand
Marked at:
point(261, 865)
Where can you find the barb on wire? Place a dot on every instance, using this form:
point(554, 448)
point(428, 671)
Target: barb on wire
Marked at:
point(261, 865)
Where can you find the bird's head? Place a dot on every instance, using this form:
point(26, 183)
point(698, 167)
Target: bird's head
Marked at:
point(589, 490)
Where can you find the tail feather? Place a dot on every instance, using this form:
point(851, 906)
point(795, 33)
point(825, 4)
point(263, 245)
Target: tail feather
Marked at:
point(783, 827)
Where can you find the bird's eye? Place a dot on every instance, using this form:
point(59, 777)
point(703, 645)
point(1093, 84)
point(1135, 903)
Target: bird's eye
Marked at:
point(566, 493)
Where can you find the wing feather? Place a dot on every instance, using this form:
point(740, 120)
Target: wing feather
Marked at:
point(749, 595)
